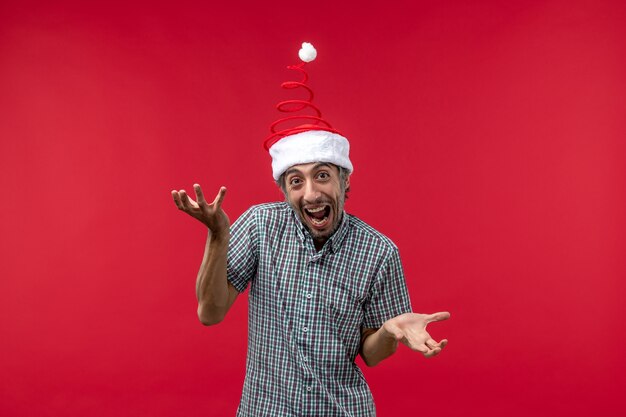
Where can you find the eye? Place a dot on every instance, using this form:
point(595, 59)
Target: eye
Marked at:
point(323, 175)
point(294, 181)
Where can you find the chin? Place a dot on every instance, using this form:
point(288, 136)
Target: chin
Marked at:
point(323, 234)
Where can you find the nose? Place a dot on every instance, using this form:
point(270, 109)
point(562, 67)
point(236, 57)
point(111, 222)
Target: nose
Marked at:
point(311, 193)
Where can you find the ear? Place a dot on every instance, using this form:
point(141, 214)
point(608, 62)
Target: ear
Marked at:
point(347, 182)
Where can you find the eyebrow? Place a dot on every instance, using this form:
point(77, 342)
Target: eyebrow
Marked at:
point(321, 164)
point(292, 171)
point(297, 171)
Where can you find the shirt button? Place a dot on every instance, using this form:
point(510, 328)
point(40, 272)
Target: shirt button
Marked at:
point(309, 389)
point(309, 296)
point(305, 329)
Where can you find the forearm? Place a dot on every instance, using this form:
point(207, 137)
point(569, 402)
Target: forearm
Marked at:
point(377, 346)
point(212, 289)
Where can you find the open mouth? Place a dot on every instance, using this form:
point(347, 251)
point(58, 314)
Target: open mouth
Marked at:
point(318, 216)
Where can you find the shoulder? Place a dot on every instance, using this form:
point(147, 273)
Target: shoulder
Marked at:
point(260, 221)
point(364, 233)
point(273, 209)
point(265, 213)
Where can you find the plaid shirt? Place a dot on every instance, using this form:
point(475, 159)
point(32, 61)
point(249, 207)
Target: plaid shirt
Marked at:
point(307, 309)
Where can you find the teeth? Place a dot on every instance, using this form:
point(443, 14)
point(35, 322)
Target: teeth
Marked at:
point(316, 210)
point(319, 222)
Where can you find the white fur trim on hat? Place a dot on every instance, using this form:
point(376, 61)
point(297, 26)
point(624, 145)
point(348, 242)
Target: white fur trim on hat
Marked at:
point(307, 147)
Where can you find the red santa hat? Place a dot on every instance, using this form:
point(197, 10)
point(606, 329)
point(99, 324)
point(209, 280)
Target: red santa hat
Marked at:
point(312, 139)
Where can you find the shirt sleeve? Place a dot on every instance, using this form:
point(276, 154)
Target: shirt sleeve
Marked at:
point(389, 296)
point(242, 260)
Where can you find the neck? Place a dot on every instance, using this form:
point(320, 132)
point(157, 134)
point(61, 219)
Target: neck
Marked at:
point(319, 243)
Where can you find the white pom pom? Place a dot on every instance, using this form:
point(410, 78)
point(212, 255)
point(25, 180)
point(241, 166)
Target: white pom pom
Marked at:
point(307, 53)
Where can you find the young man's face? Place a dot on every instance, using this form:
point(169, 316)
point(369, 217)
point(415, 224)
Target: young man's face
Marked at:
point(316, 194)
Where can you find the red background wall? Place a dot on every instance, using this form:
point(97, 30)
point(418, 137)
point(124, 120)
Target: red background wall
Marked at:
point(488, 140)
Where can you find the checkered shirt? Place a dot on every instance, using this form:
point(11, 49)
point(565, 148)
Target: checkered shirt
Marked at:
point(307, 309)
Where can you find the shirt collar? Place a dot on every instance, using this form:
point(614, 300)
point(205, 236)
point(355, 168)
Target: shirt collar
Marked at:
point(335, 241)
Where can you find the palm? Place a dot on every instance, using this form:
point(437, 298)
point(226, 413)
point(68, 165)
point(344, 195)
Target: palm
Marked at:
point(211, 214)
point(410, 330)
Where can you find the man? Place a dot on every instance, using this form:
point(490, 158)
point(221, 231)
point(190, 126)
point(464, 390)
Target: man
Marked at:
point(324, 286)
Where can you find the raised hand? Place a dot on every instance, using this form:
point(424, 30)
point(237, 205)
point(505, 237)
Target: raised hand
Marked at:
point(410, 330)
point(210, 215)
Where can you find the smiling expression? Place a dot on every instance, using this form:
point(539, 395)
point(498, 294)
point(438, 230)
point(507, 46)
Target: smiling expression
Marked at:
point(316, 193)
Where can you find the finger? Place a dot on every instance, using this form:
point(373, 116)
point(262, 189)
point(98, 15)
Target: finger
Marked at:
point(418, 347)
point(199, 195)
point(185, 200)
point(432, 344)
point(219, 198)
point(177, 199)
point(443, 315)
point(433, 352)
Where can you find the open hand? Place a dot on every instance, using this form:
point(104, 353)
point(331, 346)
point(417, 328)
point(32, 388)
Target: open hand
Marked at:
point(410, 330)
point(211, 215)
